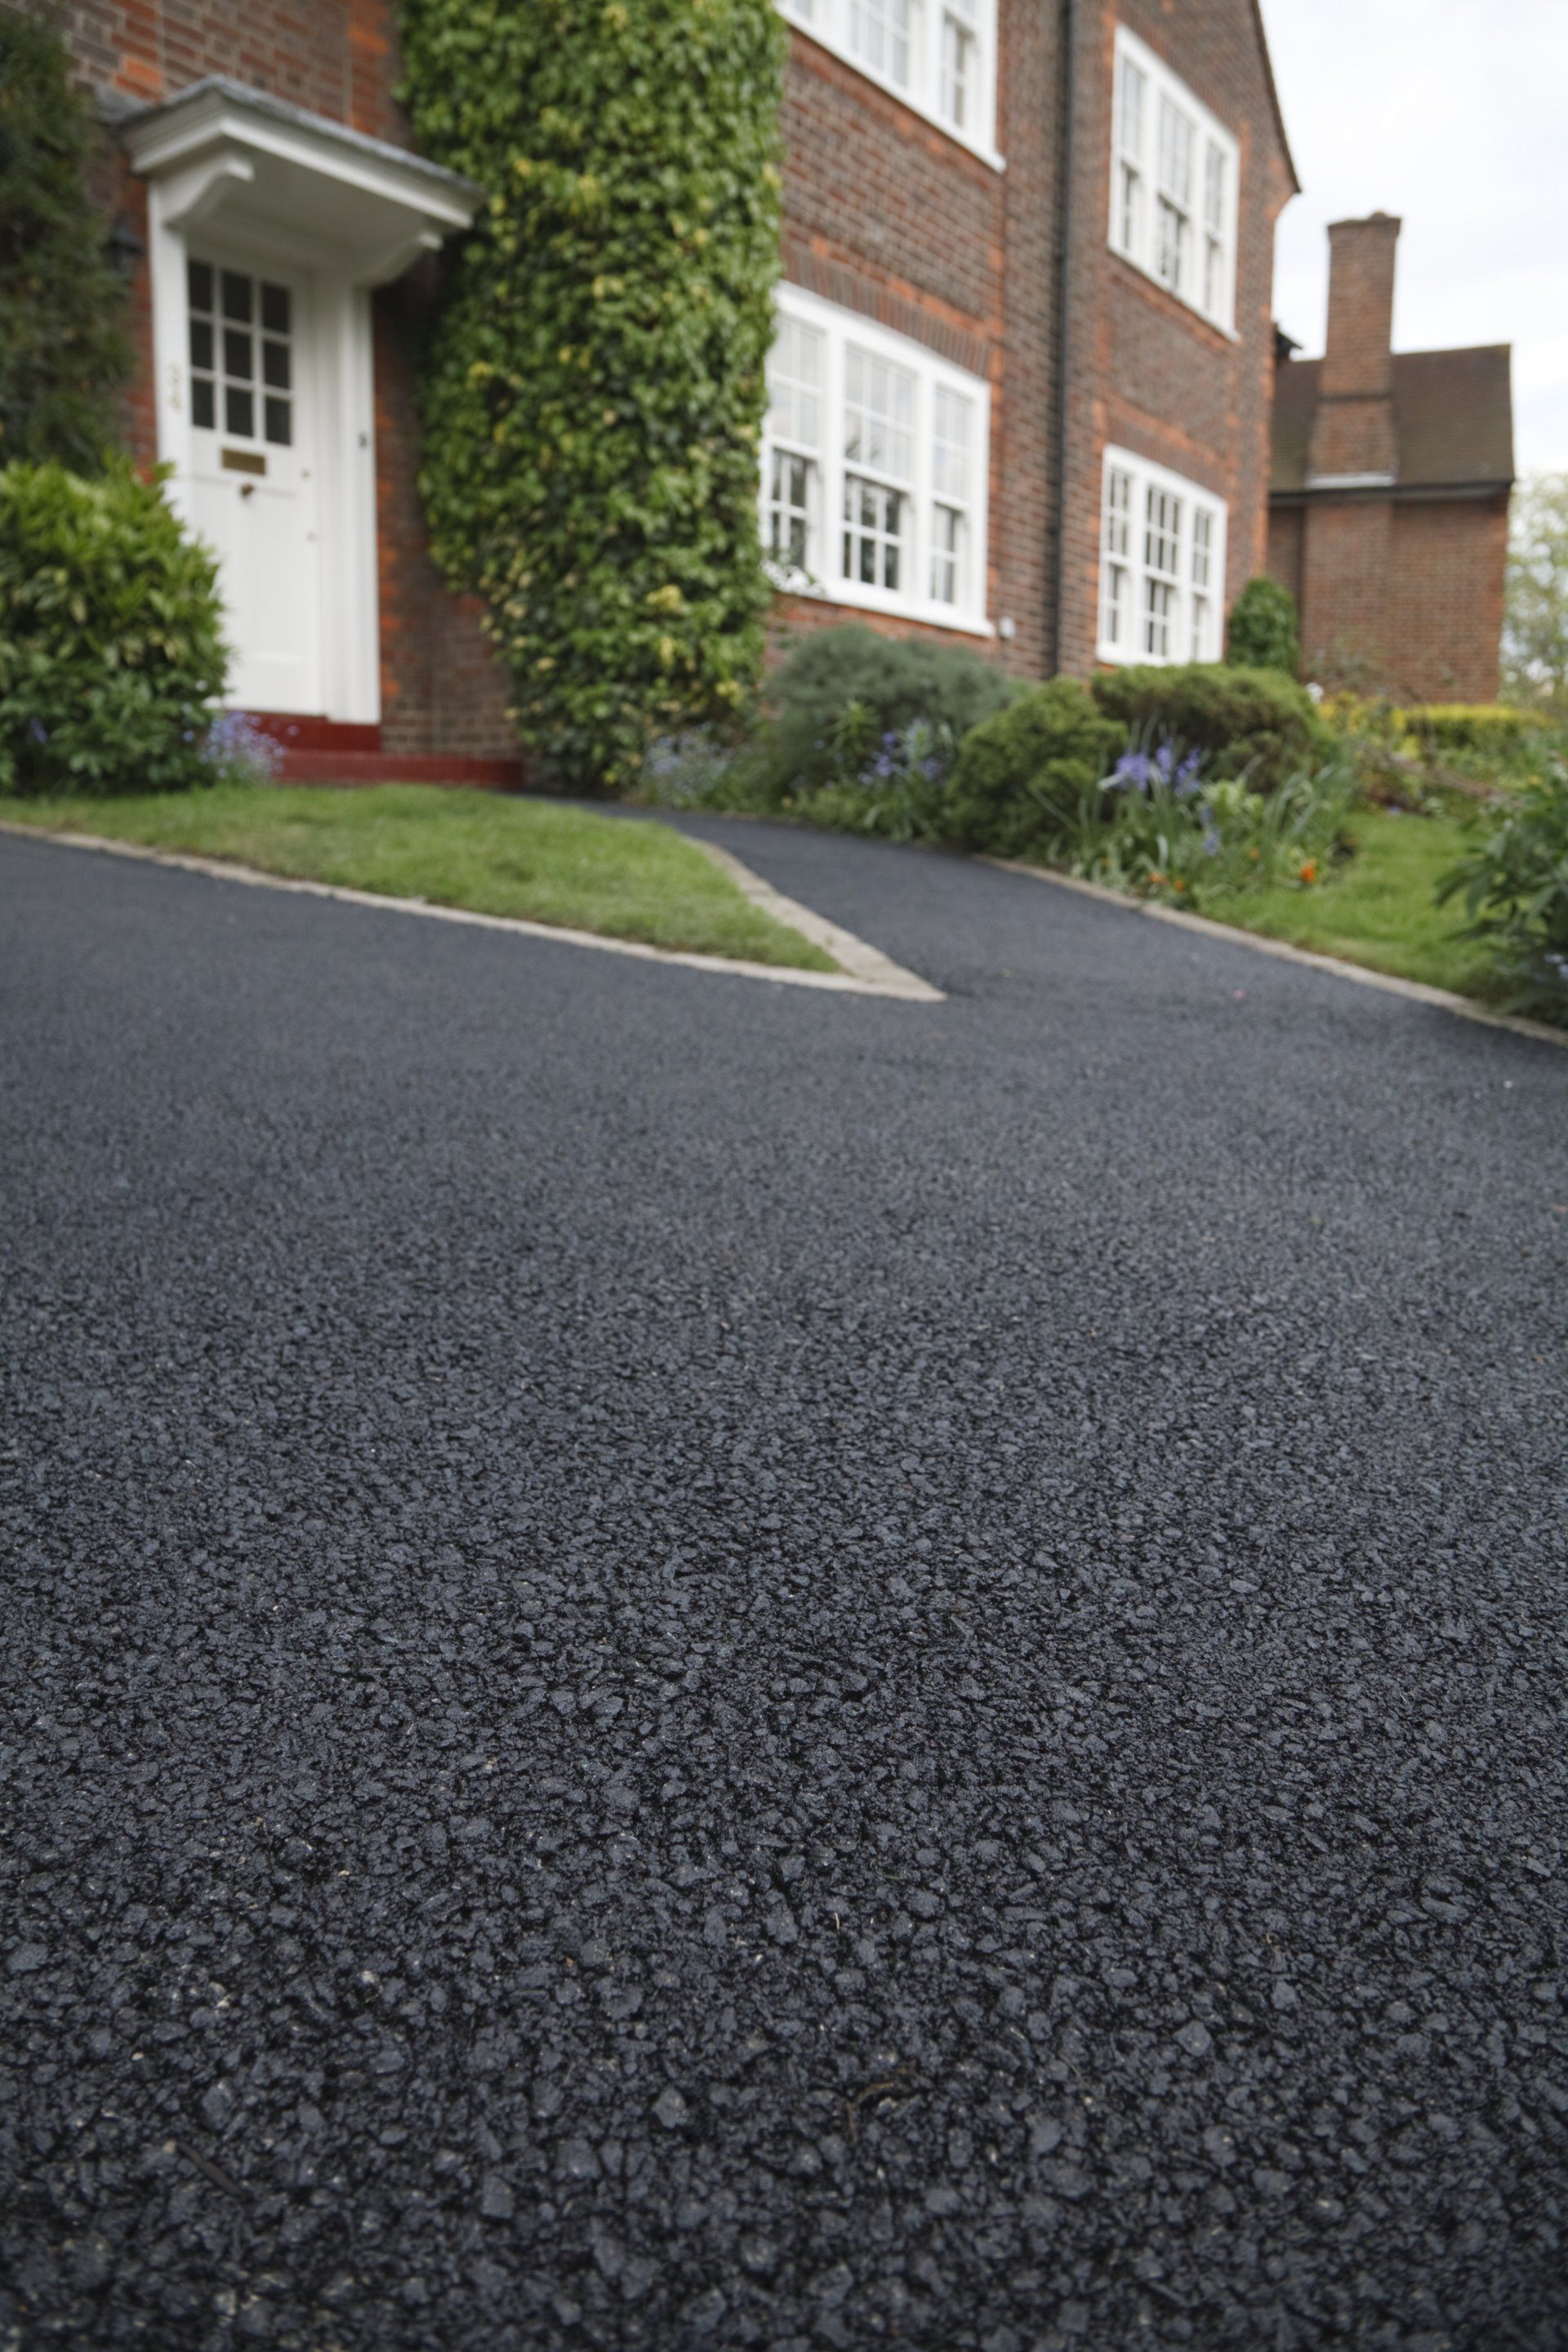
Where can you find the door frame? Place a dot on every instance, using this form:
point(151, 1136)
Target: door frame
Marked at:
point(342, 377)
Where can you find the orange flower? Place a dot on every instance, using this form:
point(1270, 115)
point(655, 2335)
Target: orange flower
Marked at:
point(1309, 871)
point(1156, 881)
point(1178, 884)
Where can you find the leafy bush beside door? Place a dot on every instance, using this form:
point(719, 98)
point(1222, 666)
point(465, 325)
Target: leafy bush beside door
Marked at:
point(595, 388)
point(111, 650)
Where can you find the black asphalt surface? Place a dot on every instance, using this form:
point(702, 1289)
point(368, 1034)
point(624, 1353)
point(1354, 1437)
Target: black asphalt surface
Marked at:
point(691, 1664)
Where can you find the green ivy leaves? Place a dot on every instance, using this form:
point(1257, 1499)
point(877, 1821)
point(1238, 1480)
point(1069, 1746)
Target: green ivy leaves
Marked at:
point(594, 392)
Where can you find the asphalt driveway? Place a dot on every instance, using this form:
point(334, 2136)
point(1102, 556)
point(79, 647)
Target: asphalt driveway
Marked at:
point(695, 1663)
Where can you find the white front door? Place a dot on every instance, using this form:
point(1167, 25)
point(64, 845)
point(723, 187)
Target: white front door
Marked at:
point(254, 486)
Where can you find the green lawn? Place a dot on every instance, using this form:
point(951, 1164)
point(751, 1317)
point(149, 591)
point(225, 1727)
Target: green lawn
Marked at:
point(495, 855)
point(1377, 907)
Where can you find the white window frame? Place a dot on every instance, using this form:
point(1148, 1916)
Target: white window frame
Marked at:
point(1156, 566)
point(929, 487)
point(1157, 211)
point(874, 36)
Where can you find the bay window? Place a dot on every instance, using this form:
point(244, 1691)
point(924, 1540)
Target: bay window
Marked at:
point(874, 460)
point(1162, 566)
point(1174, 184)
point(939, 56)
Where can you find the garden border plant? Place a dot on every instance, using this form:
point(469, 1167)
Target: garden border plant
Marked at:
point(595, 394)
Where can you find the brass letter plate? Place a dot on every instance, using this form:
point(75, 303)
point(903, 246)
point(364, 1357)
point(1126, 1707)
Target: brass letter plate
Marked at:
point(243, 461)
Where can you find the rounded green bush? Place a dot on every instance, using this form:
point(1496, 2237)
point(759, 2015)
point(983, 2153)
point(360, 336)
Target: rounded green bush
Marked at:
point(1023, 776)
point(1264, 633)
point(897, 681)
point(111, 648)
point(1252, 723)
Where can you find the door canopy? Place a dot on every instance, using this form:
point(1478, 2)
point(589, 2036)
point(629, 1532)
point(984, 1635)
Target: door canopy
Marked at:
point(227, 157)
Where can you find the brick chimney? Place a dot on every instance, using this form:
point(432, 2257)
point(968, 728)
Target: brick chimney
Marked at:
point(1353, 431)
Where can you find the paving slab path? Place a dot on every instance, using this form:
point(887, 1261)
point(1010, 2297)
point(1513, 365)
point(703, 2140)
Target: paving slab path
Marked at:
point(699, 1664)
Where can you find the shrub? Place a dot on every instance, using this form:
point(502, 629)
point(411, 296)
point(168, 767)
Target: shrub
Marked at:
point(1485, 748)
point(1023, 776)
point(1168, 831)
point(63, 350)
point(595, 393)
point(1514, 885)
point(1263, 633)
point(1468, 726)
point(894, 784)
point(1250, 723)
point(896, 681)
point(111, 645)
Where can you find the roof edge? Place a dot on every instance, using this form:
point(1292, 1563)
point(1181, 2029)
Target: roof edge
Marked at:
point(1476, 486)
point(1279, 111)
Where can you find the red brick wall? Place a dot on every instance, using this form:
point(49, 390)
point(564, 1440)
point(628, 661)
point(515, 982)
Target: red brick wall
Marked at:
point(1145, 372)
point(1404, 595)
point(1284, 559)
point(441, 690)
point(1447, 565)
point(336, 57)
point(1345, 545)
point(885, 214)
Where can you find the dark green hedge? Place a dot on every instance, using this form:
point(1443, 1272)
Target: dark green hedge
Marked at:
point(595, 391)
point(63, 350)
point(1254, 723)
point(1028, 772)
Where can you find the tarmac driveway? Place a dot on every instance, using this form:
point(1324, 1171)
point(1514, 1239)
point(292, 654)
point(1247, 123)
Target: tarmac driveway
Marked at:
point(695, 1663)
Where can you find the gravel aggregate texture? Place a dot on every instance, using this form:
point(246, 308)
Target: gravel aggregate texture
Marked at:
point(699, 1665)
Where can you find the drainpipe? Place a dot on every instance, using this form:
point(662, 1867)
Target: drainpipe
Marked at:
point(1058, 552)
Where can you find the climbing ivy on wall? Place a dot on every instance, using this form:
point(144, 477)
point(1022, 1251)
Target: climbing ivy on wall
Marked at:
point(594, 395)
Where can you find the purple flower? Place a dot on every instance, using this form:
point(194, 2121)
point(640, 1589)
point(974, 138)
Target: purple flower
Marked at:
point(233, 739)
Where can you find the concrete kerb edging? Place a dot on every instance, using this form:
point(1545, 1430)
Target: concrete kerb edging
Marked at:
point(866, 971)
point(865, 962)
point(1418, 990)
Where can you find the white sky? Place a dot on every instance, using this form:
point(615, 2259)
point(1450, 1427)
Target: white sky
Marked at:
point(1453, 114)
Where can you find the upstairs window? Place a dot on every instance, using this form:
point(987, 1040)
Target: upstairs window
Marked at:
point(880, 38)
point(960, 96)
point(1174, 184)
point(1162, 564)
point(874, 468)
point(939, 56)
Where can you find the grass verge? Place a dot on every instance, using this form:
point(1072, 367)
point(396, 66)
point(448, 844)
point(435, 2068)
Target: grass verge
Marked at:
point(493, 855)
point(1377, 908)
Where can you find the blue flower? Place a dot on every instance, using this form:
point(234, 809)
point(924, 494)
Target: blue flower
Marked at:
point(1134, 771)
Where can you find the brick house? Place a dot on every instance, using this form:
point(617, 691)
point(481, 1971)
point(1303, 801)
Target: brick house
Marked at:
point(1388, 510)
point(1020, 393)
point(1023, 380)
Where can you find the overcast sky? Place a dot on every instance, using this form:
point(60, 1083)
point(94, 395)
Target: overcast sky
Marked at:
point(1453, 114)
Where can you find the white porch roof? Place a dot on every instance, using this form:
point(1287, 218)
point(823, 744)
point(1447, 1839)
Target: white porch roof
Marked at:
point(225, 153)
